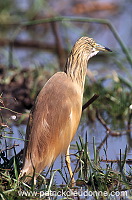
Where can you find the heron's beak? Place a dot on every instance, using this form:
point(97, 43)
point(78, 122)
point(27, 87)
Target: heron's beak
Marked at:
point(102, 48)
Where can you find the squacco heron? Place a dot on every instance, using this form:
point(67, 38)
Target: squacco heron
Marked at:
point(55, 116)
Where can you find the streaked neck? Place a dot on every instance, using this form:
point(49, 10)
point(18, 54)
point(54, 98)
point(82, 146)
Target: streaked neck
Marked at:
point(76, 67)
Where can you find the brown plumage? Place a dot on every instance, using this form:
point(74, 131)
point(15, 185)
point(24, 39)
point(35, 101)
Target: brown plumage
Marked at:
point(55, 117)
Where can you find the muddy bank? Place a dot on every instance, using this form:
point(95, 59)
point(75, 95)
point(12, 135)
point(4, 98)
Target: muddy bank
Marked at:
point(19, 87)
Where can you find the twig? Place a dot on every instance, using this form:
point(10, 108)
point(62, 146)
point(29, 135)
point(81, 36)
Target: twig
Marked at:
point(59, 47)
point(27, 44)
point(108, 130)
point(83, 19)
point(103, 141)
point(78, 19)
point(9, 148)
point(90, 101)
point(128, 161)
point(102, 122)
point(1, 107)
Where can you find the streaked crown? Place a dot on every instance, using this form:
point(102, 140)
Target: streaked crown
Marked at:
point(88, 46)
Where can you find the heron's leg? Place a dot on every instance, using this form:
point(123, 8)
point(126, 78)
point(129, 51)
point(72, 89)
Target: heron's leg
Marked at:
point(68, 164)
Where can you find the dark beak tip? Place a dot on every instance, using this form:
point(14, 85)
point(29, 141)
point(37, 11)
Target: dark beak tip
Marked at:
point(107, 49)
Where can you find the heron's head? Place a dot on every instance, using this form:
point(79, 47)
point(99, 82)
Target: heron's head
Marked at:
point(88, 47)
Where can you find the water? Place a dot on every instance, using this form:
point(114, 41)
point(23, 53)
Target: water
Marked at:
point(113, 144)
point(110, 150)
point(120, 19)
